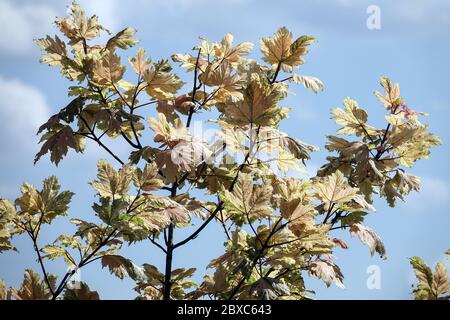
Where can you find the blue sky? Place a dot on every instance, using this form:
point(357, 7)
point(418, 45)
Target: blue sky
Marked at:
point(412, 47)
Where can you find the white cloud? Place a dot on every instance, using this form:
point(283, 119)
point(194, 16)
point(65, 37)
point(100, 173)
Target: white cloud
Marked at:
point(23, 109)
point(21, 23)
point(434, 194)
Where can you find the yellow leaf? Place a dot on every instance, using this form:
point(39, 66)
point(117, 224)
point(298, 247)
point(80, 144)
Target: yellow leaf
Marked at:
point(140, 63)
point(282, 49)
point(335, 189)
point(110, 183)
point(160, 84)
point(226, 52)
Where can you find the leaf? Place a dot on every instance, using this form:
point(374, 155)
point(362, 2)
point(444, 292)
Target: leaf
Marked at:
point(229, 83)
point(352, 119)
point(48, 202)
point(440, 284)
point(53, 252)
point(335, 189)
point(190, 153)
point(165, 132)
point(259, 105)
point(368, 237)
point(123, 39)
point(327, 271)
point(298, 149)
point(301, 220)
point(111, 183)
point(425, 276)
point(181, 273)
point(161, 84)
point(340, 243)
point(226, 52)
point(108, 70)
point(58, 140)
point(7, 214)
point(121, 267)
point(140, 63)
point(308, 82)
point(33, 288)
point(55, 48)
point(412, 144)
point(248, 199)
point(77, 27)
point(5, 294)
point(186, 61)
point(391, 99)
point(282, 49)
point(81, 293)
point(147, 180)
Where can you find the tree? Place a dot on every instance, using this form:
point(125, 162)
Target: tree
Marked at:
point(277, 228)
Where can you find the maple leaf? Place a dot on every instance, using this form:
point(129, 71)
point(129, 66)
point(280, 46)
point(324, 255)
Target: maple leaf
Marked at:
point(77, 27)
point(55, 48)
point(391, 99)
point(53, 252)
point(121, 267)
point(226, 52)
point(110, 183)
point(222, 75)
point(5, 293)
point(282, 49)
point(123, 39)
point(327, 271)
point(7, 215)
point(368, 237)
point(440, 284)
point(186, 61)
point(108, 70)
point(140, 63)
point(308, 82)
point(58, 139)
point(188, 154)
point(161, 84)
point(81, 293)
point(33, 288)
point(248, 199)
point(147, 179)
point(49, 202)
point(412, 144)
point(335, 189)
point(301, 219)
point(258, 106)
point(165, 132)
point(352, 119)
point(425, 276)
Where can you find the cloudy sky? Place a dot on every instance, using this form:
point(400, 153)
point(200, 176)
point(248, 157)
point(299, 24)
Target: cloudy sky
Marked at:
point(411, 47)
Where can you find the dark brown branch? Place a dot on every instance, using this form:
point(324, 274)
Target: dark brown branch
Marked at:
point(194, 91)
point(41, 262)
point(157, 244)
point(100, 143)
point(277, 71)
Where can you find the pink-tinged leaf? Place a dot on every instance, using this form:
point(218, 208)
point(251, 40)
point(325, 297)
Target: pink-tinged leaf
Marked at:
point(368, 237)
